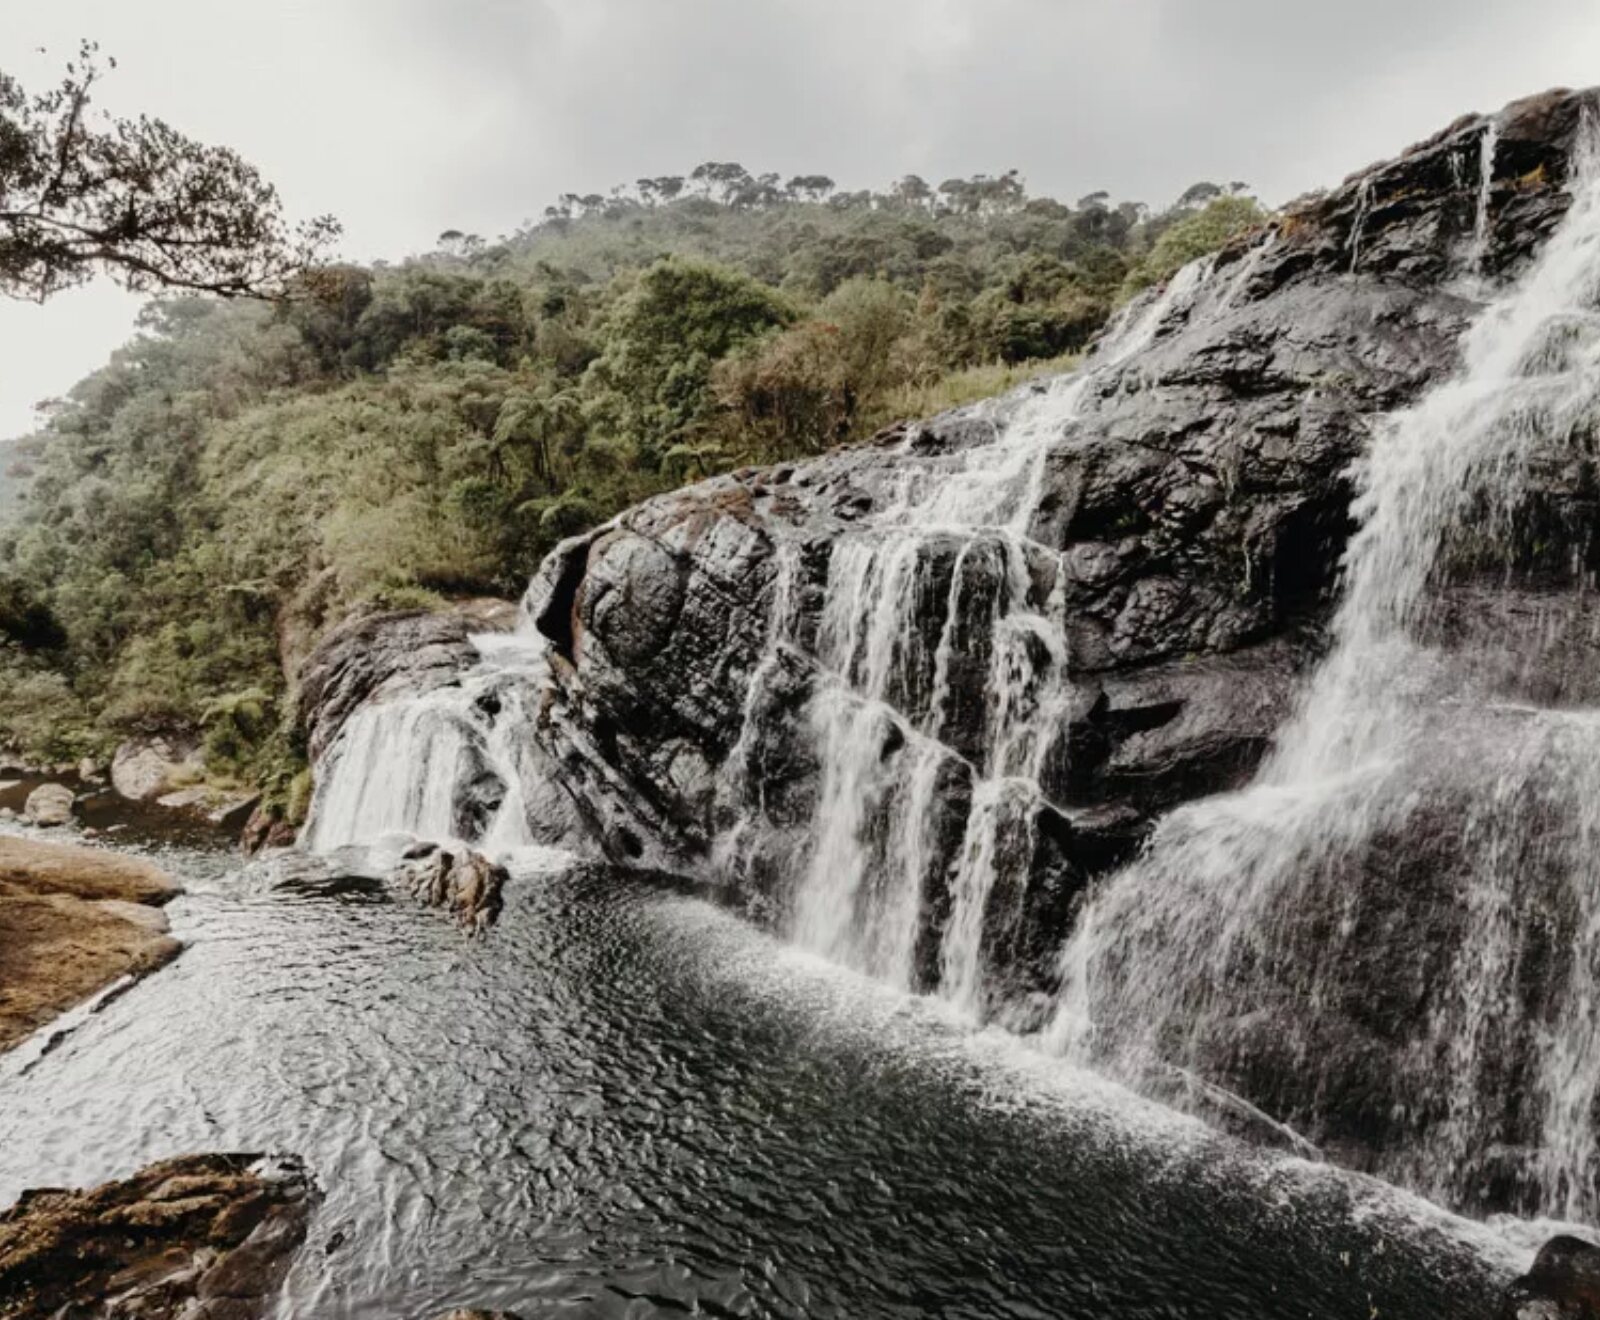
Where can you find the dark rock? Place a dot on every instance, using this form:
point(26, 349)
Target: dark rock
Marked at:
point(348, 874)
point(264, 830)
point(208, 1235)
point(1563, 1284)
point(461, 1314)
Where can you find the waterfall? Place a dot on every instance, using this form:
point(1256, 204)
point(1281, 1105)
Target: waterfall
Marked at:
point(1487, 146)
point(444, 764)
point(884, 722)
point(395, 770)
point(1235, 947)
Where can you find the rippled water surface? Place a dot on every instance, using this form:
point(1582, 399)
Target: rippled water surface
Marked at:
point(627, 1103)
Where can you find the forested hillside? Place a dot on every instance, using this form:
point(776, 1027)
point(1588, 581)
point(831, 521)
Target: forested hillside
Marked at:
point(242, 474)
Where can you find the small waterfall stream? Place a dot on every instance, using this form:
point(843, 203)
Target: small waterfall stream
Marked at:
point(872, 866)
point(445, 765)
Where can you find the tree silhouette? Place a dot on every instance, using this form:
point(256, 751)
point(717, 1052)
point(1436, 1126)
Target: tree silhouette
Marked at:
point(81, 192)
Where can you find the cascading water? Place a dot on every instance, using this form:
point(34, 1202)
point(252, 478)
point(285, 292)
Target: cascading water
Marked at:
point(930, 695)
point(1487, 147)
point(1236, 947)
point(442, 765)
point(883, 721)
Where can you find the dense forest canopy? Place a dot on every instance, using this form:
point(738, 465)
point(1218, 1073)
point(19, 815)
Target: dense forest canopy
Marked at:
point(242, 474)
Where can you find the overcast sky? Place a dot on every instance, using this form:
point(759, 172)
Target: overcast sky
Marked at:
point(408, 117)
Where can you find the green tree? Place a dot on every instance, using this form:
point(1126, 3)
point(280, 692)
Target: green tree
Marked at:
point(1222, 220)
point(662, 338)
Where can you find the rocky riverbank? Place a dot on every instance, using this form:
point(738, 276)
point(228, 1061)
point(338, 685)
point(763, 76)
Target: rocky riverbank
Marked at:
point(73, 921)
point(203, 1235)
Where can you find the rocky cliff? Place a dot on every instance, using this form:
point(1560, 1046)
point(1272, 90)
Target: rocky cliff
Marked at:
point(910, 700)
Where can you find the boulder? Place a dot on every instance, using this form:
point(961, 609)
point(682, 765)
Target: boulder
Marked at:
point(75, 920)
point(1562, 1284)
point(185, 799)
point(232, 811)
point(227, 810)
point(49, 804)
point(263, 830)
point(144, 769)
point(465, 883)
point(210, 1235)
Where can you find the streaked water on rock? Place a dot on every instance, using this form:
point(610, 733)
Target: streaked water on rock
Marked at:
point(1248, 930)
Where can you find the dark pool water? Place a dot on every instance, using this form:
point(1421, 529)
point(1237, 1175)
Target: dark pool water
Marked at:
point(626, 1103)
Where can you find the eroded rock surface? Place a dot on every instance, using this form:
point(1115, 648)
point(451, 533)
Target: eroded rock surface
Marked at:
point(204, 1236)
point(72, 921)
point(1563, 1284)
point(378, 655)
point(464, 883)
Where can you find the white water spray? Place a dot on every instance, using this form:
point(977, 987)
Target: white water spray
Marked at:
point(1245, 920)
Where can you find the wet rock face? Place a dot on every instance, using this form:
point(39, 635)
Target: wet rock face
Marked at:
point(1199, 500)
point(1190, 517)
point(209, 1235)
point(465, 883)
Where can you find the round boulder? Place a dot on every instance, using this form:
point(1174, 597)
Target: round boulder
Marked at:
point(1563, 1284)
point(147, 768)
point(49, 804)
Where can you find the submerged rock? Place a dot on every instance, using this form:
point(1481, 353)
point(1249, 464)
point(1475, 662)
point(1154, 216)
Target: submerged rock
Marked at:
point(49, 804)
point(461, 1314)
point(1563, 1284)
point(203, 1235)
